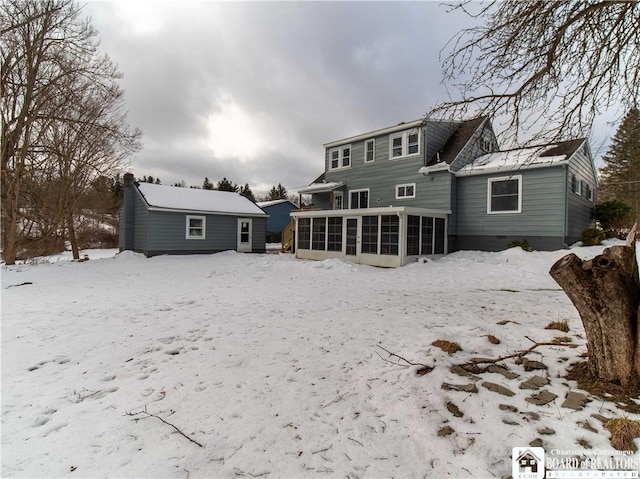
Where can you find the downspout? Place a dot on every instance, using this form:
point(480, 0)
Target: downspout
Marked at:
point(402, 238)
point(566, 205)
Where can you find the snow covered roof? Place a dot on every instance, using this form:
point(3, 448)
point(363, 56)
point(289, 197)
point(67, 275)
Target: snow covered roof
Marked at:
point(193, 199)
point(321, 187)
point(532, 157)
point(264, 204)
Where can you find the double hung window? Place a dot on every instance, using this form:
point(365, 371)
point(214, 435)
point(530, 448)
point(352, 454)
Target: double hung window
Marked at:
point(340, 157)
point(369, 150)
point(504, 195)
point(358, 199)
point(196, 226)
point(405, 191)
point(405, 143)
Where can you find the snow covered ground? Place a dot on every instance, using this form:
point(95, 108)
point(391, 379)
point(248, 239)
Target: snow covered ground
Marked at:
point(275, 366)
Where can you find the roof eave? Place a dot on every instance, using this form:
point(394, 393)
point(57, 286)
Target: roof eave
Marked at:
point(371, 134)
point(207, 212)
point(504, 169)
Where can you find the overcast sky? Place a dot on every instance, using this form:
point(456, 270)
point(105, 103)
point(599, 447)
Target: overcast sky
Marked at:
point(251, 91)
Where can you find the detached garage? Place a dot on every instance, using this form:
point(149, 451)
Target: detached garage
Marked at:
point(158, 219)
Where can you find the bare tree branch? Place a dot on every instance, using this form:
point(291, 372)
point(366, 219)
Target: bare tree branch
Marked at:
point(544, 69)
point(148, 414)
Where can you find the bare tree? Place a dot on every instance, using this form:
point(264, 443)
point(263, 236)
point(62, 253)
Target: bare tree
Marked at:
point(91, 139)
point(546, 69)
point(50, 66)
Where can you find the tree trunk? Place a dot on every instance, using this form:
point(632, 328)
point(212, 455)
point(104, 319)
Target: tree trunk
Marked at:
point(71, 230)
point(606, 292)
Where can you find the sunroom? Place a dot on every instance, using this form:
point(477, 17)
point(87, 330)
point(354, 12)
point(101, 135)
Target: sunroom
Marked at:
point(387, 237)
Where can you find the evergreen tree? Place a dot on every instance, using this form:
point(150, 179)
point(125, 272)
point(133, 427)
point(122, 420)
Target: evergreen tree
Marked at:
point(149, 179)
point(207, 185)
point(278, 193)
point(621, 173)
point(247, 193)
point(226, 185)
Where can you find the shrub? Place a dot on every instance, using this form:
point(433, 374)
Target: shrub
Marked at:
point(592, 236)
point(558, 325)
point(615, 218)
point(524, 244)
point(623, 432)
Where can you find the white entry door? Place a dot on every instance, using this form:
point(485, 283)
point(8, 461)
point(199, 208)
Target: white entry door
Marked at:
point(244, 235)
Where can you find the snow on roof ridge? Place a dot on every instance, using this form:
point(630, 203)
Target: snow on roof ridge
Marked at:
point(262, 204)
point(195, 199)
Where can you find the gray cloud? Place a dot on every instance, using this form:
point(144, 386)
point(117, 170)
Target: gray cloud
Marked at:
point(302, 74)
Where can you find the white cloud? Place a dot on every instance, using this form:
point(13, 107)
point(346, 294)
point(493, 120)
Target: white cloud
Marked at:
point(233, 132)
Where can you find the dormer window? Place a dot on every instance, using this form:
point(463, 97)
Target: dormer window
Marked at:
point(340, 157)
point(404, 143)
point(488, 145)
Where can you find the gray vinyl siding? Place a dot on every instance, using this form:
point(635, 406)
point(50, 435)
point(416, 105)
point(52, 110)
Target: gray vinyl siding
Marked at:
point(437, 134)
point(382, 175)
point(473, 149)
point(122, 229)
point(453, 217)
point(132, 206)
point(259, 235)
point(542, 206)
point(167, 233)
point(141, 219)
point(579, 208)
point(321, 200)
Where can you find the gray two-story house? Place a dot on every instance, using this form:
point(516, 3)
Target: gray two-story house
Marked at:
point(430, 187)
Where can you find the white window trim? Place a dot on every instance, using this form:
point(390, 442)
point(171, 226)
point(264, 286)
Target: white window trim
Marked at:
point(358, 191)
point(405, 143)
point(576, 185)
point(487, 144)
point(504, 178)
point(336, 195)
point(340, 149)
point(204, 227)
point(373, 141)
point(404, 197)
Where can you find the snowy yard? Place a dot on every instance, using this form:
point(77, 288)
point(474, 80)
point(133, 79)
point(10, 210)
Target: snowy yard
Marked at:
point(273, 365)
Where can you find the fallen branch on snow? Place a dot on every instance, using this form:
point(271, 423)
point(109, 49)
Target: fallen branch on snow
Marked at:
point(148, 414)
point(425, 368)
point(519, 354)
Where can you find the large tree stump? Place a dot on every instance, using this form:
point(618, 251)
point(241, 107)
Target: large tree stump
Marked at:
point(606, 292)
